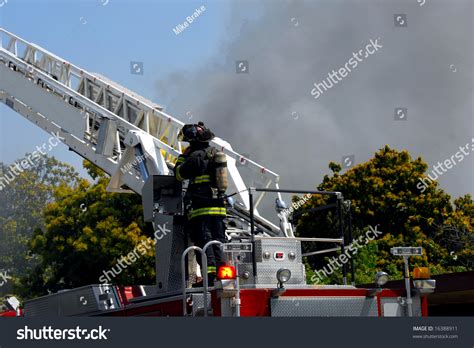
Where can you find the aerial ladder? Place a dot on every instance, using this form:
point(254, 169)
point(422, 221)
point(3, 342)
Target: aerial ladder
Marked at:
point(106, 123)
point(113, 127)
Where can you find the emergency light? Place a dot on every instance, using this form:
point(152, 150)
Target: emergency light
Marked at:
point(421, 273)
point(226, 272)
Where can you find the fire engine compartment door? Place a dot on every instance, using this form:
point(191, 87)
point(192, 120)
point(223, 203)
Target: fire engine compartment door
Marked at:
point(391, 307)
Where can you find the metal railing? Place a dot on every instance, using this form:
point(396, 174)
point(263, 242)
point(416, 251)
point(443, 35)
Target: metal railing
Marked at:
point(205, 290)
point(205, 280)
point(183, 275)
point(341, 240)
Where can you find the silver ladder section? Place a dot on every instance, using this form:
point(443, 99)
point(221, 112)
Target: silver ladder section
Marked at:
point(104, 122)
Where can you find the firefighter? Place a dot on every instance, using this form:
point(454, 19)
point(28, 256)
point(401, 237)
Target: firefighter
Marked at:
point(204, 200)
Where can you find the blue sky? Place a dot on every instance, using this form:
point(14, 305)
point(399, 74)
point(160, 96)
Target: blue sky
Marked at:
point(103, 36)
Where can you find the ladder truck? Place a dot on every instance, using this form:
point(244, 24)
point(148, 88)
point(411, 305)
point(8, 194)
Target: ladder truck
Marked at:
point(112, 127)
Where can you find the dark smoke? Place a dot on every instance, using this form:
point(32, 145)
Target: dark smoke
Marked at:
point(270, 114)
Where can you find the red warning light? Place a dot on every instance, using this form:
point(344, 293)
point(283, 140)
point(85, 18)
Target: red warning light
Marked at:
point(226, 272)
point(279, 255)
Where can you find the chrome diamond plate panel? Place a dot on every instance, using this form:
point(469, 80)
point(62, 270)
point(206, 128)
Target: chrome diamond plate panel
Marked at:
point(266, 273)
point(296, 306)
point(81, 301)
point(268, 267)
point(177, 248)
point(198, 304)
point(273, 245)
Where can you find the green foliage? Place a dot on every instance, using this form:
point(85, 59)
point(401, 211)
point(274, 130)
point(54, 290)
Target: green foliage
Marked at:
point(87, 229)
point(365, 265)
point(384, 193)
point(21, 209)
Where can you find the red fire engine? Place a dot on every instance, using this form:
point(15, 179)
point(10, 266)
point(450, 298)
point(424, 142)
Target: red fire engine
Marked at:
point(136, 143)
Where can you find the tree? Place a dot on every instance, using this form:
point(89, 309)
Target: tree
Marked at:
point(384, 193)
point(24, 193)
point(87, 231)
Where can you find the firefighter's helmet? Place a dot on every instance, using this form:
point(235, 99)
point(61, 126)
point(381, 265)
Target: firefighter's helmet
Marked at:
point(195, 133)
